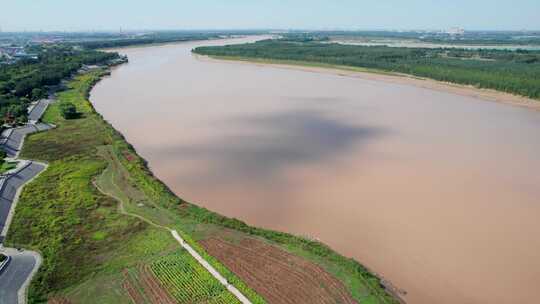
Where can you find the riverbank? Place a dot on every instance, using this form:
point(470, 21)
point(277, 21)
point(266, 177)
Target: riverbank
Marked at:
point(385, 76)
point(87, 244)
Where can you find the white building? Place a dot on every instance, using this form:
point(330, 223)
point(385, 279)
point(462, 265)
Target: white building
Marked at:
point(455, 31)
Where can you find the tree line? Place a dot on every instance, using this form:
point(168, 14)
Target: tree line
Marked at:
point(28, 80)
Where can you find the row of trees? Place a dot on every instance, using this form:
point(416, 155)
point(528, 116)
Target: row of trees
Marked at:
point(515, 72)
point(160, 37)
point(30, 79)
point(468, 38)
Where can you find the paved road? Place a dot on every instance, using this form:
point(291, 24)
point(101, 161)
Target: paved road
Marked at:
point(15, 277)
point(16, 274)
point(9, 190)
point(12, 141)
point(38, 110)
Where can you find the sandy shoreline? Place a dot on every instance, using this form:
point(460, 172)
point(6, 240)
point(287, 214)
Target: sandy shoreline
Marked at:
point(463, 90)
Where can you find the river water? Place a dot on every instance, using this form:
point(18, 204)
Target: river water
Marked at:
point(439, 193)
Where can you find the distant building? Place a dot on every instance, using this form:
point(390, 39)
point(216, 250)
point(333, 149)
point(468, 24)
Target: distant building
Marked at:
point(455, 31)
point(11, 54)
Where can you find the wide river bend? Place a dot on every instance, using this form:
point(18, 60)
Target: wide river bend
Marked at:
point(439, 193)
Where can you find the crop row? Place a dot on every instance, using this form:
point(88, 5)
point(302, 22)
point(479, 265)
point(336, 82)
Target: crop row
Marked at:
point(188, 282)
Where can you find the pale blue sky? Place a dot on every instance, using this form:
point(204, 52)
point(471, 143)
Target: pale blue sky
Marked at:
point(73, 15)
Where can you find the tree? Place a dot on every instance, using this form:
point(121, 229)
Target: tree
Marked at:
point(68, 110)
point(38, 93)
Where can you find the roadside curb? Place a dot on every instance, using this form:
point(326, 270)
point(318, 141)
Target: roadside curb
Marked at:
point(4, 263)
point(22, 294)
point(23, 164)
point(3, 179)
point(4, 232)
point(8, 135)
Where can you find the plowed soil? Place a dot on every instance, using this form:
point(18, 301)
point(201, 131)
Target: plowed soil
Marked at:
point(58, 300)
point(278, 276)
point(145, 288)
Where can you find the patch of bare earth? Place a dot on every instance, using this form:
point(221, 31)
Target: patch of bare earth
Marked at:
point(58, 300)
point(145, 288)
point(278, 276)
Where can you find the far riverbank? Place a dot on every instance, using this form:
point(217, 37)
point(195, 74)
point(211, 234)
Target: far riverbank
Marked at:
point(385, 76)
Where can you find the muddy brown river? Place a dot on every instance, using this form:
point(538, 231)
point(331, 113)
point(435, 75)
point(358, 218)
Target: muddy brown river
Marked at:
point(439, 193)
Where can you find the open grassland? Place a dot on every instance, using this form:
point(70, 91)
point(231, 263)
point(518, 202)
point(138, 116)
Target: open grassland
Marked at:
point(90, 242)
point(61, 213)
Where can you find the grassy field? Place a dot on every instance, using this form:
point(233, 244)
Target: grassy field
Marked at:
point(78, 230)
point(7, 165)
point(87, 241)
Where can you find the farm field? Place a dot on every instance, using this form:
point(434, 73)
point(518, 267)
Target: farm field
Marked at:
point(188, 282)
point(272, 272)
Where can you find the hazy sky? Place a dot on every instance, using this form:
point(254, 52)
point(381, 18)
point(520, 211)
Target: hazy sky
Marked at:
point(16, 15)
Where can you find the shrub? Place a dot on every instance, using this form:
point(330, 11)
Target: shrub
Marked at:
point(68, 110)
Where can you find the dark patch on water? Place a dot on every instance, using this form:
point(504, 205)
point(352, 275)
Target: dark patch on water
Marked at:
point(276, 141)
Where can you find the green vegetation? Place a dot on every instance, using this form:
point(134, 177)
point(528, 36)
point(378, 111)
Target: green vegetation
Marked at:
point(150, 38)
point(516, 72)
point(2, 258)
point(188, 281)
point(60, 212)
point(6, 165)
point(68, 110)
point(104, 284)
point(29, 79)
point(488, 38)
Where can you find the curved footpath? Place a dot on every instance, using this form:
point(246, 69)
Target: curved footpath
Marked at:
point(15, 276)
point(218, 276)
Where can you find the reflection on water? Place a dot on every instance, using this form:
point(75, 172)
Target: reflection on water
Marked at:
point(437, 192)
point(267, 143)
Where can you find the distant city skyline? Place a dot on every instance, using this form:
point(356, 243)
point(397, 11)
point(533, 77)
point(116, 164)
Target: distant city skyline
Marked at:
point(101, 15)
